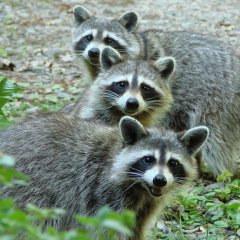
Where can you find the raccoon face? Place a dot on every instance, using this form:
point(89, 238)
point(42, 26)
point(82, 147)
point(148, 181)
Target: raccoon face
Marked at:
point(157, 161)
point(91, 35)
point(133, 94)
point(135, 88)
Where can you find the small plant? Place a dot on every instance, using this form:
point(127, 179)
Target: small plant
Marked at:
point(7, 89)
point(208, 212)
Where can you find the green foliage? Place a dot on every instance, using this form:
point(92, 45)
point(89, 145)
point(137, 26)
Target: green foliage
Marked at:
point(8, 176)
point(43, 96)
point(3, 53)
point(207, 211)
point(110, 221)
point(7, 89)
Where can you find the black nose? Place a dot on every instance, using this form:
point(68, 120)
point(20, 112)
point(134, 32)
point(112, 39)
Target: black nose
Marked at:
point(132, 104)
point(159, 180)
point(93, 53)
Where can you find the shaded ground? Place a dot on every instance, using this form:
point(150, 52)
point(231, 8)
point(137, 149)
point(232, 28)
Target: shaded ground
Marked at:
point(35, 36)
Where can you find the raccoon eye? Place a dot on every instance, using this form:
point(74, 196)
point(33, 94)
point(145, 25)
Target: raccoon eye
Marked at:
point(109, 40)
point(122, 84)
point(89, 37)
point(145, 87)
point(173, 163)
point(148, 159)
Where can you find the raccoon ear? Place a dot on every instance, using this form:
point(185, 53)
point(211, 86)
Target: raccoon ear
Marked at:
point(80, 14)
point(129, 20)
point(194, 138)
point(109, 57)
point(131, 130)
point(166, 66)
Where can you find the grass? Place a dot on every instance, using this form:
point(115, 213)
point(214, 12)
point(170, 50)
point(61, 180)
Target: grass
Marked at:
point(209, 211)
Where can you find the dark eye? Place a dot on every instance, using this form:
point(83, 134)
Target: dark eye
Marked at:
point(145, 88)
point(89, 37)
point(109, 40)
point(122, 84)
point(148, 159)
point(173, 163)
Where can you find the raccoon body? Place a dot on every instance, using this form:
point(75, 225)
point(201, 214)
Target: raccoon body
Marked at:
point(209, 98)
point(205, 87)
point(92, 34)
point(81, 166)
point(186, 96)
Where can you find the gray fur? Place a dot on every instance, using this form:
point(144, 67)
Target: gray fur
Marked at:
point(109, 57)
point(152, 44)
point(72, 165)
point(80, 15)
point(201, 97)
point(129, 20)
point(209, 91)
point(123, 28)
point(102, 104)
point(205, 90)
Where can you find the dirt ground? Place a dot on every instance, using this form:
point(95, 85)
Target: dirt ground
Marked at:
point(35, 37)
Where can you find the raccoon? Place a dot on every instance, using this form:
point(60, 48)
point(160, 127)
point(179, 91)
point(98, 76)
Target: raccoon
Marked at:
point(92, 34)
point(183, 96)
point(81, 166)
point(139, 89)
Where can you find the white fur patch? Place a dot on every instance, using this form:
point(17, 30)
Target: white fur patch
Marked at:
point(176, 156)
point(85, 33)
point(87, 113)
point(157, 155)
point(116, 78)
point(114, 36)
point(168, 175)
point(133, 49)
point(125, 159)
point(150, 174)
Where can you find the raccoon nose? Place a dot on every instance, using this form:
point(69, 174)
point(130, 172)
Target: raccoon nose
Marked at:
point(93, 53)
point(159, 180)
point(132, 104)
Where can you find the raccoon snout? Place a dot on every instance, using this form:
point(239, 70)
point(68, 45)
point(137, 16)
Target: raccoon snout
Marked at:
point(132, 104)
point(94, 53)
point(159, 181)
